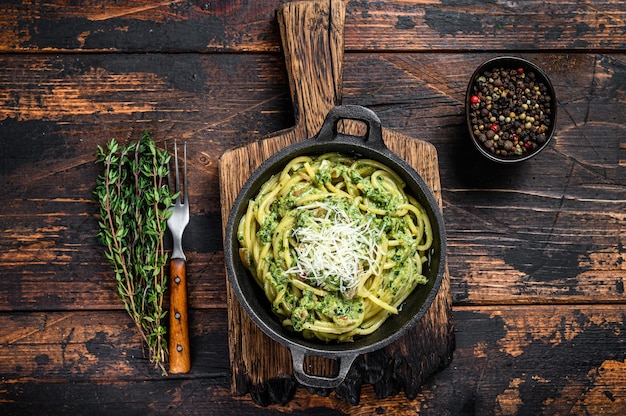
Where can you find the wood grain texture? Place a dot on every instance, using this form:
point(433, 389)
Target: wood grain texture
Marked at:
point(179, 353)
point(181, 26)
point(536, 252)
point(563, 244)
point(81, 362)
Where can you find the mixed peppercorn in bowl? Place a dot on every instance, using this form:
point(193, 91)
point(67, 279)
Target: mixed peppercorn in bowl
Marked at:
point(510, 109)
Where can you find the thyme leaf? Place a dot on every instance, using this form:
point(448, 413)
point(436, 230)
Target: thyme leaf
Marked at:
point(133, 199)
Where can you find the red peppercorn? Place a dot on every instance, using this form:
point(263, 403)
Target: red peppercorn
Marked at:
point(527, 145)
point(494, 127)
point(475, 99)
point(520, 70)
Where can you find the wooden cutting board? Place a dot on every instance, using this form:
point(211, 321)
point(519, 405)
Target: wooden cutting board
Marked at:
point(312, 37)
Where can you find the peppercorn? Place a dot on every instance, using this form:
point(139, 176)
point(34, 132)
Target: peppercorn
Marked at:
point(510, 109)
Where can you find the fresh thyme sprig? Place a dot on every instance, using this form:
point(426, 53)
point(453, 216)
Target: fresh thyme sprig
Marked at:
point(134, 199)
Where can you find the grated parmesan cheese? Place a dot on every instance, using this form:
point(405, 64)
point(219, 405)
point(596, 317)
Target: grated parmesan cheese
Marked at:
point(334, 249)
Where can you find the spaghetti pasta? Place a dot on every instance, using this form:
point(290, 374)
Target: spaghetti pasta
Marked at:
point(336, 245)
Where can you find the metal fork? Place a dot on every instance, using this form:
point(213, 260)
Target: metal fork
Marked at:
point(180, 357)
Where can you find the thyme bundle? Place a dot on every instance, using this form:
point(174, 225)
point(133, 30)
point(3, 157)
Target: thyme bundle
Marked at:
point(134, 199)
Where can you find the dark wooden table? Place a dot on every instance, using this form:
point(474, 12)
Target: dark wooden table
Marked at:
point(535, 251)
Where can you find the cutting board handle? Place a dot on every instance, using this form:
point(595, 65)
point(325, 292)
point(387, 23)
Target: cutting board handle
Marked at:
point(312, 39)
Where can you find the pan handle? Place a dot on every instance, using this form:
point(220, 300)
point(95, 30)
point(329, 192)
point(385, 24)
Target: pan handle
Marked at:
point(345, 362)
point(374, 135)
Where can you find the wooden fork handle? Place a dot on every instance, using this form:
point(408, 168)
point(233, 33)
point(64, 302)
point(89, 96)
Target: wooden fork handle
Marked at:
point(180, 357)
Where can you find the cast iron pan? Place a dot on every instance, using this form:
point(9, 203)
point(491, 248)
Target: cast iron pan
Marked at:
point(253, 299)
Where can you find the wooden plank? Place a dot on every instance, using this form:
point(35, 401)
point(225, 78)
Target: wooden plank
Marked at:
point(98, 346)
point(567, 247)
point(566, 232)
point(459, 25)
point(64, 89)
point(551, 359)
point(548, 230)
point(453, 25)
point(132, 26)
point(52, 259)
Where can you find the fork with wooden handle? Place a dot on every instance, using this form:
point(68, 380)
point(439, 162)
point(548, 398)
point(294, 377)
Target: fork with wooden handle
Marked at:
point(180, 357)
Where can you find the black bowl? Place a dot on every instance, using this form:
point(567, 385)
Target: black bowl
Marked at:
point(251, 296)
point(510, 109)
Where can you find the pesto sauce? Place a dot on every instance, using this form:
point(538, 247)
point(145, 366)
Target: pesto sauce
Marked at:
point(341, 303)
